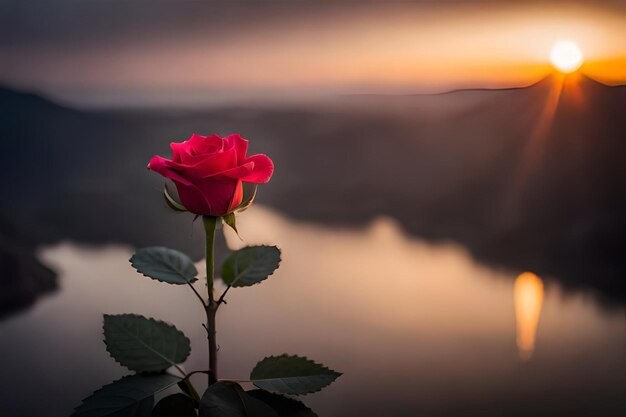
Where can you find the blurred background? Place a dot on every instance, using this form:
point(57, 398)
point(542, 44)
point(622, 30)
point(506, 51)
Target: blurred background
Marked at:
point(449, 195)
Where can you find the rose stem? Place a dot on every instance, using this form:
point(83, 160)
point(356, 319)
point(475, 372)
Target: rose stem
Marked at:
point(210, 224)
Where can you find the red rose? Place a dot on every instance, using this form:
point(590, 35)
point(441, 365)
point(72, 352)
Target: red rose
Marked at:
point(209, 171)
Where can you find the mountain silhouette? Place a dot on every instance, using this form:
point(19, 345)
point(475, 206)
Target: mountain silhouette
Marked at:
point(523, 180)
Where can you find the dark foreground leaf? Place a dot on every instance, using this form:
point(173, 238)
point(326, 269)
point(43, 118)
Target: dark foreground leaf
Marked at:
point(225, 399)
point(164, 264)
point(250, 265)
point(221, 400)
point(287, 374)
point(131, 396)
point(176, 405)
point(284, 406)
point(142, 344)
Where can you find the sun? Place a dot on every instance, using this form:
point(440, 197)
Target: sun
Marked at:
point(566, 56)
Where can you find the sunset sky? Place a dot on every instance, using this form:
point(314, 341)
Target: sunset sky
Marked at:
point(150, 52)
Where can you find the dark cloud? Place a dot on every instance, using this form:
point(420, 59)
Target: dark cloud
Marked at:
point(27, 23)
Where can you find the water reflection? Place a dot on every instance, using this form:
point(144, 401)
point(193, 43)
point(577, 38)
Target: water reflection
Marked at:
point(528, 295)
point(416, 328)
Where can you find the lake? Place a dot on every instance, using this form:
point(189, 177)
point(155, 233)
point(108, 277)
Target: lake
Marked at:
point(417, 328)
point(454, 254)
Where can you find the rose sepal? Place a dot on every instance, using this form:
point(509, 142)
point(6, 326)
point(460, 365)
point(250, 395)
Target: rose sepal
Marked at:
point(230, 219)
point(171, 202)
point(247, 203)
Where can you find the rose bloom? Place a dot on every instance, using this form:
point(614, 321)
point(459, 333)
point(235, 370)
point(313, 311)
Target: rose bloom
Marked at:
point(209, 172)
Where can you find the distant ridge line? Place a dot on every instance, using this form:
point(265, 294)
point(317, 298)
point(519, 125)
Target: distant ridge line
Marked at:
point(45, 98)
point(482, 89)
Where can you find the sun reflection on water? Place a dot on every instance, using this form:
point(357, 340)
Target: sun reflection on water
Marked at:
point(528, 296)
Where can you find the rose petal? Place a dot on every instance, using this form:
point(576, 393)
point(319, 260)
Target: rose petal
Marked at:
point(187, 158)
point(181, 153)
point(262, 171)
point(192, 198)
point(205, 166)
point(238, 172)
point(167, 168)
point(237, 197)
point(178, 150)
point(240, 144)
point(199, 144)
point(220, 195)
point(212, 164)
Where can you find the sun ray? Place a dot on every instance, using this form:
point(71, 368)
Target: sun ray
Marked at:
point(533, 150)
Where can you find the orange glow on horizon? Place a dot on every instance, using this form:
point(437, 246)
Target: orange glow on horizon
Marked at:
point(610, 71)
point(528, 298)
point(399, 48)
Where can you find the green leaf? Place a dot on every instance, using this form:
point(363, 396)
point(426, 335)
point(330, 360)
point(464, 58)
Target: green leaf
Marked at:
point(142, 344)
point(250, 265)
point(176, 405)
point(230, 220)
point(131, 396)
point(174, 205)
point(284, 406)
point(164, 264)
point(287, 374)
point(227, 399)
